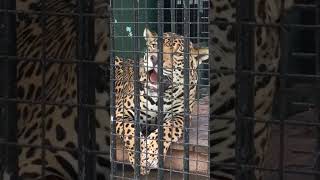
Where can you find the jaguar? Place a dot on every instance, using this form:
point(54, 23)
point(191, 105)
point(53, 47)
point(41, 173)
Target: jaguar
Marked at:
point(50, 41)
point(47, 75)
point(173, 97)
point(222, 45)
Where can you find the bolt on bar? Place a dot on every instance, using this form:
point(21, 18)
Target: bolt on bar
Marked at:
point(86, 95)
point(186, 70)
point(244, 90)
point(136, 92)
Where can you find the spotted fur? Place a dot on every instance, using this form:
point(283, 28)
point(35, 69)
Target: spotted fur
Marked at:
point(46, 46)
point(61, 87)
point(222, 94)
point(173, 67)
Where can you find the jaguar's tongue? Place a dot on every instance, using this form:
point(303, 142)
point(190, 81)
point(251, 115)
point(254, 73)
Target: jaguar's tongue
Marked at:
point(153, 76)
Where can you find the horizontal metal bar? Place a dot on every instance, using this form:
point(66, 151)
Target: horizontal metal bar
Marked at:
point(292, 75)
point(52, 13)
point(66, 14)
point(304, 55)
point(38, 102)
point(285, 170)
point(53, 147)
point(200, 38)
point(305, 6)
point(164, 8)
point(260, 120)
point(155, 22)
point(271, 25)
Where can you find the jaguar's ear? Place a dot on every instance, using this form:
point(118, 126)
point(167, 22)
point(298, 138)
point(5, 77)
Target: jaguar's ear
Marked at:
point(148, 35)
point(201, 54)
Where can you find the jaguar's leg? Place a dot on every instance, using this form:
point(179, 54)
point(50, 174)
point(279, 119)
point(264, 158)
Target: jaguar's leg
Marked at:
point(172, 131)
point(126, 130)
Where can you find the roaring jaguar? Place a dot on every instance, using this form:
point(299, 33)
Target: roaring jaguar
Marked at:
point(173, 97)
point(41, 39)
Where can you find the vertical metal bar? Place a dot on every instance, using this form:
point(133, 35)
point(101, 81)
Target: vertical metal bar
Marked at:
point(9, 113)
point(317, 59)
point(160, 88)
point(43, 24)
point(146, 20)
point(136, 90)
point(186, 22)
point(244, 90)
point(282, 80)
point(211, 137)
point(81, 115)
point(112, 95)
point(173, 15)
point(86, 95)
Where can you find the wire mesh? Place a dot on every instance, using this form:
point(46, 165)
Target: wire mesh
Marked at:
point(58, 74)
point(158, 112)
point(54, 94)
point(263, 68)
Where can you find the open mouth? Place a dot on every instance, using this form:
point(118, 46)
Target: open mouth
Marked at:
point(153, 76)
point(153, 80)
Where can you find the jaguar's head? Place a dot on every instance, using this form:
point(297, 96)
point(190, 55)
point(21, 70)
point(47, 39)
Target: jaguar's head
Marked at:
point(172, 59)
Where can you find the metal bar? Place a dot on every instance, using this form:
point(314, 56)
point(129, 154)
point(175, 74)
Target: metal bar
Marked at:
point(112, 98)
point(4, 71)
point(173, 15)
point(8, 115)
point(136, 92)
point(244, 90)
point(282, 80)
point(86, 95)
point(186, 69)
point(317, 59)
point(199, 76)
point(147, 19)
point(303, 55)
point(43, 24)
point(160, 89)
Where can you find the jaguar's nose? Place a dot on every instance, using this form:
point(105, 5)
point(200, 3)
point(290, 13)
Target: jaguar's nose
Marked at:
point(153, 59)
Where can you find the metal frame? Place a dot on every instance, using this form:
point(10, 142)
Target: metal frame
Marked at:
point(86, 95)
point(244, 74)
point(162, 11)
point(8, 116)
point(160, 90)
point(244, 89)
point(186, 116)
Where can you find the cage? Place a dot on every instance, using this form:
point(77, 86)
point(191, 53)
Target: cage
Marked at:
point(264, 89)
point(60, 100)
point(57, 62)
point(143, 32)
point(55, 90)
